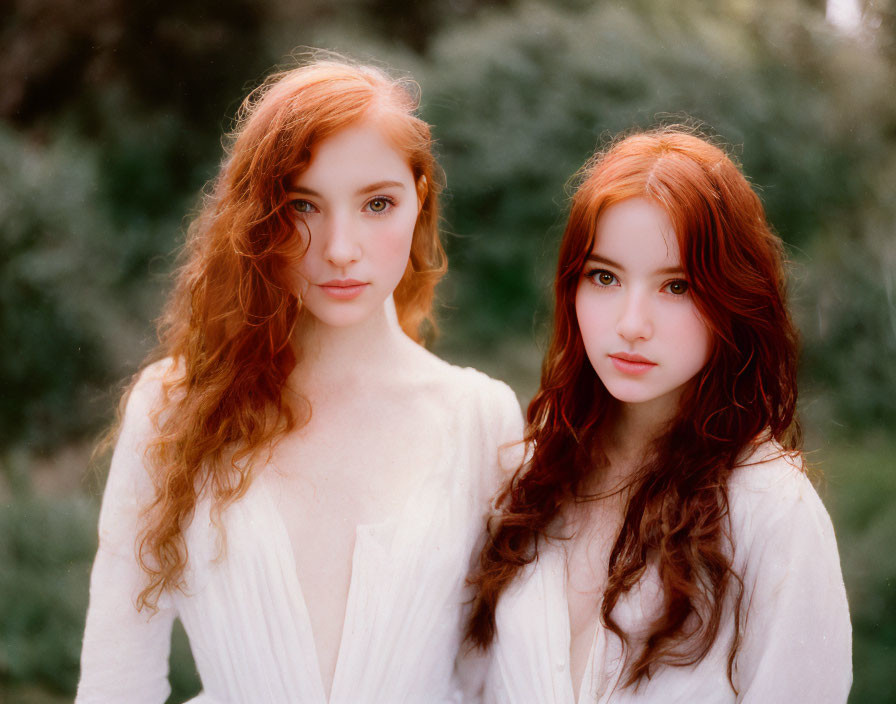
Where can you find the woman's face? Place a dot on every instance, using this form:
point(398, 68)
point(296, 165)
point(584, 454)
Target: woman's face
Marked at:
point(356, 206)
point(640, 327)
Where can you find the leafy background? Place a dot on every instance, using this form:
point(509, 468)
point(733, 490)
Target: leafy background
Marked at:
point(111, 116)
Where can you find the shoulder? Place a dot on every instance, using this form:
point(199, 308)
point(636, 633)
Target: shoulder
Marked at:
point(771, 500)
point(787, 562)
point(142, 407)
point(489, 402)
point(130, 487)
point(767, 473)
point(465, 387)
point(482, 409)
point(491, 392)
point(491, 418)
point(769, 477)
point(148, 391)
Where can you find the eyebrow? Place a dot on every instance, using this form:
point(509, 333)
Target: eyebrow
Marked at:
point(615, 265)
point(379, 185)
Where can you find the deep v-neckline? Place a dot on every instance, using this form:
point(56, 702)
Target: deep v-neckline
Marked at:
point(588, 672)
point(294, 584)
point(364, 532)
point(558, 569)
point(283, 551)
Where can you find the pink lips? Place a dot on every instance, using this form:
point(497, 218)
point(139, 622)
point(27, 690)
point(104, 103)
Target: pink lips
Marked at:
point(343, 289)
point(631, 363)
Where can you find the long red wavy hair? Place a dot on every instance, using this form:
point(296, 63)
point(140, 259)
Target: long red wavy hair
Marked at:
point(678, 503)
point(229, 323)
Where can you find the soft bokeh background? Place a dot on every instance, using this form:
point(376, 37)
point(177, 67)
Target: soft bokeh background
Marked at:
point(111, 116)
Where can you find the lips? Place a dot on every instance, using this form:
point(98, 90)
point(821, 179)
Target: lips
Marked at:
point(628, 363)
point(343, 289)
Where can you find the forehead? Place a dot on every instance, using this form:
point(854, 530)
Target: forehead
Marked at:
point(353, 156)
point(637, 234)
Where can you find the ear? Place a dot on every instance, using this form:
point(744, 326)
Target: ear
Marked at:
point(422, 192)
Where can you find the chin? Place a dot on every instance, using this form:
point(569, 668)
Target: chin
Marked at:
point(635, 399)
point(340, 321)
point(343, 315)
point(630, 393)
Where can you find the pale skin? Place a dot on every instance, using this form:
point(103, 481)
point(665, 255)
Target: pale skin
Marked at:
point(374, 393)
point(646, 340)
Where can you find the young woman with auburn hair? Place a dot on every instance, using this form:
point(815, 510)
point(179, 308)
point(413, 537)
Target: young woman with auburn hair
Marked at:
point(662, 542)
point(296, 478)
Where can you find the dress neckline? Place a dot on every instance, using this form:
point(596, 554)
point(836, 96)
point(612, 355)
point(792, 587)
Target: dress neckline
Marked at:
point(380, 533)
point(556, 558)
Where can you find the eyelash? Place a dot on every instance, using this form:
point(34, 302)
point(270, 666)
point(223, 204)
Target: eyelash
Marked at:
point(294, 204)
point(389, 203)
point(594, 274)
point(687, 286)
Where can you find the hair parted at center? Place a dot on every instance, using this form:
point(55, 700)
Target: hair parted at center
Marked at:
point(676, 512)
point(228, 327)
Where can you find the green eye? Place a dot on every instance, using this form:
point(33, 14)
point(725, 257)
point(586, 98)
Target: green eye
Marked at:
point(302, 206)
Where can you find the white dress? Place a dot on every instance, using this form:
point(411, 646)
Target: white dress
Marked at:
point(796, 645)
point(245, 614)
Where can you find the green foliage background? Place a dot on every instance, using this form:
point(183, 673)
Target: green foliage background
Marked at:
point(111, 118)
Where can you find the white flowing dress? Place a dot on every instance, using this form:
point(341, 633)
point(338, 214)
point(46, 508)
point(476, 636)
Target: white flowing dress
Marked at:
point(244, 611)
point(795, 646)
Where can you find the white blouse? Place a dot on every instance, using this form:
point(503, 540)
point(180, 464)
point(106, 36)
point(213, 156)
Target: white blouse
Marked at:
point(244, 612)
point(795, 646)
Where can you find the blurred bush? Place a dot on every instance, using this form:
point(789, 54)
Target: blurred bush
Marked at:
point(846, 300)
point(520, 95)
point(848, 317)
point(111, 120)
point(542, 87)
point(861, 493)
point(49, 244)
point(46, 548)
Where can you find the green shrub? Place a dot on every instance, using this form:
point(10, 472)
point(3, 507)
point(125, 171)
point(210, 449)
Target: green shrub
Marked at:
point(860, 477)
point(47, 546)
point(46, 549)
point(541, 87)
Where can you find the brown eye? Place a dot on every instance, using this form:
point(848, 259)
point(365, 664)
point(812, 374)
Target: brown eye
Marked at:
point(302, 206)
point(601, 278)
point(378, 205)
point(678, 287)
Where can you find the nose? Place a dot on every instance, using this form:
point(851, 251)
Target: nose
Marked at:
point(635, 320)
point(341, 245)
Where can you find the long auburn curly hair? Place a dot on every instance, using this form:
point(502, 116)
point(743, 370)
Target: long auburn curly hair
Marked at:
point(678, 502)
point(229, 322)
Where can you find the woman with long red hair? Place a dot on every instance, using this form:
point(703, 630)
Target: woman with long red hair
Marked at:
point(662, 542)
point(296, 478)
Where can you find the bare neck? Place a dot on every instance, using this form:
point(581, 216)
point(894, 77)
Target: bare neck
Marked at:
point(626, 441)
point(333, 360)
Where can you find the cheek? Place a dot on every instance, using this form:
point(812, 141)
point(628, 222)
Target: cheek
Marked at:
point(398, 242)
point(592, 319)
point(394, 243)
point(302, 252)
point(694, 339)
point(303, 267)
point(299, 279)
point(582, 317)
point(590, 313)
